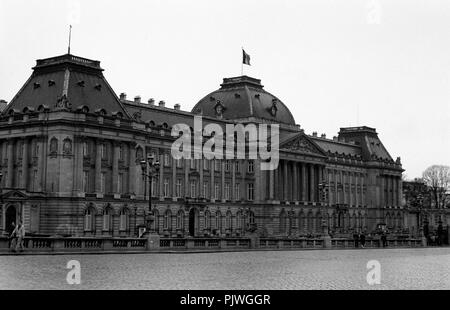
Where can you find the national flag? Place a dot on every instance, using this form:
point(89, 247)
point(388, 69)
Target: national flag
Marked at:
point(245, 58)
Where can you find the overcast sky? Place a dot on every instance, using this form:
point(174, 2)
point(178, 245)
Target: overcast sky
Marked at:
point(384, 64)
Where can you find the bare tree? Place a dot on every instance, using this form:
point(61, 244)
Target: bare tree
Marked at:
point(437, 178)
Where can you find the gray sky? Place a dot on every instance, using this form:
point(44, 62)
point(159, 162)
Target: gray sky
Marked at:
point(384, 64)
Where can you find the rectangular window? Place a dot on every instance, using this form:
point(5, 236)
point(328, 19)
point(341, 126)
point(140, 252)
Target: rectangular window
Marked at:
point(85, 149)
point(178, 189)
point(103, 151)
point(193, 189)
point(218, 163)
point(250, 192)
point(166, 188)
point(85, 181)
point(120, 183)
point(34, 181)
point(216, 191)
point(227, 191)
point(237, 191)
point(166, 160)
point(192, 163)
point(178, 163)
point(205, 189)
point(227, 165)
point(205, 164)
point(251, 166)
point(154, 187)
point(237, 167)
point(102, 182)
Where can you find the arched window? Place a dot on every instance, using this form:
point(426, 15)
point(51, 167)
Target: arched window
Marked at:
point(53, 146)
point(207, 220)
point(319, 222)
point(228, 221)
point(139, 153)
point(310, 223)
point(218, 221)
point(156, 220)
point(168, 220)
point(283, 219)
point(107, 219)
point(301, 220)
point(388, 220)
point(239, 220)
point(89, 219)
point(251, 217)
point(354, 223)
point(180, 219)
point(124, 218)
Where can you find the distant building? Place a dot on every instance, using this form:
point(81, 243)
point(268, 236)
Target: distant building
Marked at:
point(71, 148)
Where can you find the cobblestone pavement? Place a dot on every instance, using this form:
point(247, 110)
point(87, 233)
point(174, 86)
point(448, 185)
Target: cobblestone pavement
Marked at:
point(426, 268)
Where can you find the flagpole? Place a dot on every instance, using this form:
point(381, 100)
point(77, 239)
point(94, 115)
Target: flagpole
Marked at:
point(242, 61)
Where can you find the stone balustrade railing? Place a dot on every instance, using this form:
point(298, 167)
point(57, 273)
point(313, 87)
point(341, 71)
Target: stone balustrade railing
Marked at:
point(87, 244)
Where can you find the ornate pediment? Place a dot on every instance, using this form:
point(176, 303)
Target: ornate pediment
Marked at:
point(302, 144)
point(14, 194)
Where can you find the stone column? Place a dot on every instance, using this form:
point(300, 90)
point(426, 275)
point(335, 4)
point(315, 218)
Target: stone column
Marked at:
point(174, 179)
point(312, 183)
point(400, 191)
point(233, 181)
point(285, 181)
point(10, 179)
point(222, 191)
point(25, 155)
point(98, 166)
point(276, 187)
point(161, 175)
point(271, 184)
point(78, 165)
point(115, 168)
point(295, 181)
point(132, 169)
point(41, 163)
point(212, 174)
point(200, 163)
point(304, 183)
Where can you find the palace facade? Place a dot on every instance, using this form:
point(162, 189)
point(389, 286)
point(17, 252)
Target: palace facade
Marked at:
point(70, 154)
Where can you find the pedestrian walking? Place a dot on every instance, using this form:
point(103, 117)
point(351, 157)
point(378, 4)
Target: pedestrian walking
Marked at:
point(362, 239)
point(11, 236)
point(384, 239)
point(356, 240)
point(20, 237)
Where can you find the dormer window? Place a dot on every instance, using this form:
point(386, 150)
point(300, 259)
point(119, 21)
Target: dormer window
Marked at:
point(219, 109)
point(51, 83)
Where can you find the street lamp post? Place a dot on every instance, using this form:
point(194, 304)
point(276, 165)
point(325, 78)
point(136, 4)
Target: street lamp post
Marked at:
point(149, 168)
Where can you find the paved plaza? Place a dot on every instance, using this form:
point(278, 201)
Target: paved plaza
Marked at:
point(425, 268)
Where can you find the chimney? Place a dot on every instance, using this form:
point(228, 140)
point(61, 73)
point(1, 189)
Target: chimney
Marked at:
point(3, 105)
point(151, 101)
point(323, 136)
point(314, 134)
point(123, 96)
point(162, 103)
point(137, 99)
point(177, 107)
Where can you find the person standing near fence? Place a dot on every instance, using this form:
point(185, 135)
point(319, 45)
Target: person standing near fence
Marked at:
point(362, 239)
point(12, 236)
point(20, 237)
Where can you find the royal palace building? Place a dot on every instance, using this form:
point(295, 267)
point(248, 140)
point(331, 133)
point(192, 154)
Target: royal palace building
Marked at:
point(71, 153)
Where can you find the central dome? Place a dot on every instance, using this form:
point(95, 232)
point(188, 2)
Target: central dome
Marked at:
point(241, 98)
